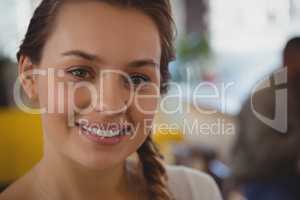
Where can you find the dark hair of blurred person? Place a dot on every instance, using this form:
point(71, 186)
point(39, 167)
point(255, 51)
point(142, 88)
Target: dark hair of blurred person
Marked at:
point(291, 55)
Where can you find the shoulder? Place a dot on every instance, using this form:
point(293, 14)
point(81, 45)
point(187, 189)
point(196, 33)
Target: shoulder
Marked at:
point(20, 189)
point(13, 192)
point(187, 183)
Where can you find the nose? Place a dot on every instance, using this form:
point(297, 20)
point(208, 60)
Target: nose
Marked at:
point(112, 96)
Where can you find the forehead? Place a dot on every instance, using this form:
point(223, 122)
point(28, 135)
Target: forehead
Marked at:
point(117, 34)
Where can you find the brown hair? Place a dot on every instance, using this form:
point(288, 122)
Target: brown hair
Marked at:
point(38, 32)
point(154, 171)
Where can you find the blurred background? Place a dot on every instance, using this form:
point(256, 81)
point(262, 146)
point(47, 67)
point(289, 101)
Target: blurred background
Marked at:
point(228, 46)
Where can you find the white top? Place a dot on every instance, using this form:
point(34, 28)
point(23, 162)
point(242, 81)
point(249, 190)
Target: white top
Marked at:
point(190, 184)
point(184, 183)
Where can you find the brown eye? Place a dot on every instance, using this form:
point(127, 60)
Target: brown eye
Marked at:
point(81, 73)
point(138, 79)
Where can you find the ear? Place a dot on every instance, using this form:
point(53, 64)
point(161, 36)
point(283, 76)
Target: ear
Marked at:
point(27, 78)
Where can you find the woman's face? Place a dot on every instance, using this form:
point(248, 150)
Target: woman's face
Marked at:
point(87, 41)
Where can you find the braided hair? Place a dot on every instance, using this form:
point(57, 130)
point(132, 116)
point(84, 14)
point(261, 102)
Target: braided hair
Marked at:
point(153, 170)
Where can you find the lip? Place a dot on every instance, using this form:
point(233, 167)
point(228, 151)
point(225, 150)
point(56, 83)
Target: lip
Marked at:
point(104, 140)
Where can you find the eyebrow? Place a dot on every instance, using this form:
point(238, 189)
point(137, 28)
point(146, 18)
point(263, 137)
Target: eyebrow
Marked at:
point(91, 57)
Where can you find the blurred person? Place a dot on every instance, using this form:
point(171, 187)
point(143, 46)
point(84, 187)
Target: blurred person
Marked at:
point(90, 160)
point(4, 64)
point(265, 162)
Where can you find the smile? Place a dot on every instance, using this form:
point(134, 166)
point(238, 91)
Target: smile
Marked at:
point(109, 132)
point(105, 133)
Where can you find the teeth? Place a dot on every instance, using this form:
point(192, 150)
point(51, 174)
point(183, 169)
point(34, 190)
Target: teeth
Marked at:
point(107, 133)
point(102, 133)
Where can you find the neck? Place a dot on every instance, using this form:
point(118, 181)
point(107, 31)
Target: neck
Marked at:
point(58, 175)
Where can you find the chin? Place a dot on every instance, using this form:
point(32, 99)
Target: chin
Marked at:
point(96, 163)
point(95, 160)
point(96, 157)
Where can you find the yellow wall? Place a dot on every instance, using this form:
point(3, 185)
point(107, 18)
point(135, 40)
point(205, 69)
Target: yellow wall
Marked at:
point(20, 143)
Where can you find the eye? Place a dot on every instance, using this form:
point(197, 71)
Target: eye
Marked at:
point(81, 72)
point(138, 79)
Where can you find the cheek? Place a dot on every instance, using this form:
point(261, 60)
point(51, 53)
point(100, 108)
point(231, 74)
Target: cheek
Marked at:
point(143, 127)
point(143, 110)
point(59, 99)
point(146, 99)
point(62, 97)
point(43, 86)
point(54, 118)
point(79, 99)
